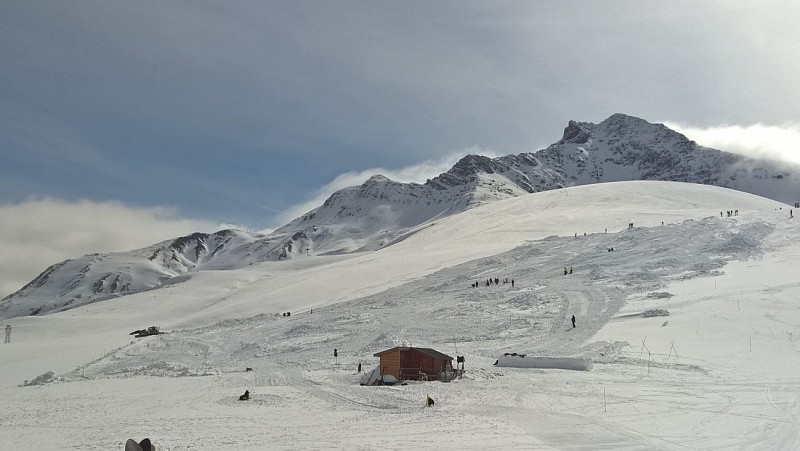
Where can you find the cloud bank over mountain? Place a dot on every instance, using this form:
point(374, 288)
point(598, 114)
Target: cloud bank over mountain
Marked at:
point(41, 232)
point(417, 173)
point(780, 142)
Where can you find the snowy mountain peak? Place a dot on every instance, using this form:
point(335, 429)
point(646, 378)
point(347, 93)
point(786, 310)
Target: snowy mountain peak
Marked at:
point(381, 212)
point(577, 132)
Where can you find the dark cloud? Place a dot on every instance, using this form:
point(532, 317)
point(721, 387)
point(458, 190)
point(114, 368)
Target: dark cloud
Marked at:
point(235, 110)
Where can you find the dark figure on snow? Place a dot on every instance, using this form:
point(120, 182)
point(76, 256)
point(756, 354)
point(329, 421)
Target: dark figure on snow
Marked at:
point(570, 269)
point(429, 401)
point(573, 321)
point(512, 283)
point(359, 367)
point(497, 281)
point(565, 270)
point(245, 396)
point(144, 445)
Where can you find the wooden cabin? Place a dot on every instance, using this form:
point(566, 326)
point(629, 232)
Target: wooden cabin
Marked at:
point(406, 363)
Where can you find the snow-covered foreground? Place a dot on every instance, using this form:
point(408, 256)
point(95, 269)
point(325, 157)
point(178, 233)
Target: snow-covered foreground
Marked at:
point(692, 327)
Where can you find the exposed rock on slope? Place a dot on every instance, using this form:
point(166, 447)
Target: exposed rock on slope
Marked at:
point(381, 211)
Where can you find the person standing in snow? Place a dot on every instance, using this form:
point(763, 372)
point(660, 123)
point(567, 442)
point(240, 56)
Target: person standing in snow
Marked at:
point(512, 283)
point(573, 321)
point(565, 270)
point(570, 269)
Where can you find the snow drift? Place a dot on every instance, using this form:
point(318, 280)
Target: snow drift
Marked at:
point(556, 363)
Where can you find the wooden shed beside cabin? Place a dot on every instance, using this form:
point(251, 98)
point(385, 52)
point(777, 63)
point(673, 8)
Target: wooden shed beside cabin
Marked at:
point(407, 363)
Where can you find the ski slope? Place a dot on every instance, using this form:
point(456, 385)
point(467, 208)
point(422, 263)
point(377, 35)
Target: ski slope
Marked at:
point(692, 327)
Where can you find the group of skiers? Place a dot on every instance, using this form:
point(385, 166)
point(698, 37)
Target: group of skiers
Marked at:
point(730, 213)
point(495, 281)
point(565, 270)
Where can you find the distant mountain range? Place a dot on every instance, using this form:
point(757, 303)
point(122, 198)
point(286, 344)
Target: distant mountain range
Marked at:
point(381, 212)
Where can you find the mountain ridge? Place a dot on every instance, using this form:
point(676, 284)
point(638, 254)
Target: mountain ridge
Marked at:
point(381, 211)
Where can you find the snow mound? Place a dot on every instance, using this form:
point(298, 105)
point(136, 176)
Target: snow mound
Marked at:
point(559, 363)
point(42, 379)
point(374, 378)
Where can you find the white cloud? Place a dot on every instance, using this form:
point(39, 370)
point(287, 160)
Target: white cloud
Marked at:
point(39, 233)
point(780, 142)
point(417, 173)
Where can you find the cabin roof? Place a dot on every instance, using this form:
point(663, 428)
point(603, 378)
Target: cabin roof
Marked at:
point(428, 351)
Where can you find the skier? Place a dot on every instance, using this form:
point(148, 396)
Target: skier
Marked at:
point(359, 367)
point(565, 270)
point(573, 321)
point(512, 283)
point(570, 269)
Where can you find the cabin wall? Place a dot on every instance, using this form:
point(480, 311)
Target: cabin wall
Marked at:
point(413, 363)
point(390, 364)
point(407, 364)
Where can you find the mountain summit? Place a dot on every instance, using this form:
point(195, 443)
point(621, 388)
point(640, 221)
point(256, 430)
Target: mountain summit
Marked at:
point(381, 212)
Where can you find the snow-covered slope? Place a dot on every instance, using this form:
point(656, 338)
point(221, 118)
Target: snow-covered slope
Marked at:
point(382, 212)
point(719, 372)
point(96, 277)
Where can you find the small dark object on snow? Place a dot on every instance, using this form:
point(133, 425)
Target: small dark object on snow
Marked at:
point(152, 330)
point(144, 445)
point(248, 369)
point(430, 402)
point(245, 396)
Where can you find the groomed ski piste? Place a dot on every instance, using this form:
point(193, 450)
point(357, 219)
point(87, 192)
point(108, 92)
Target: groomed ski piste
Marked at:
point(692, 329)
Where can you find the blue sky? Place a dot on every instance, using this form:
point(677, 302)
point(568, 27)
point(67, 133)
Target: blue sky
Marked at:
point(249, 113)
